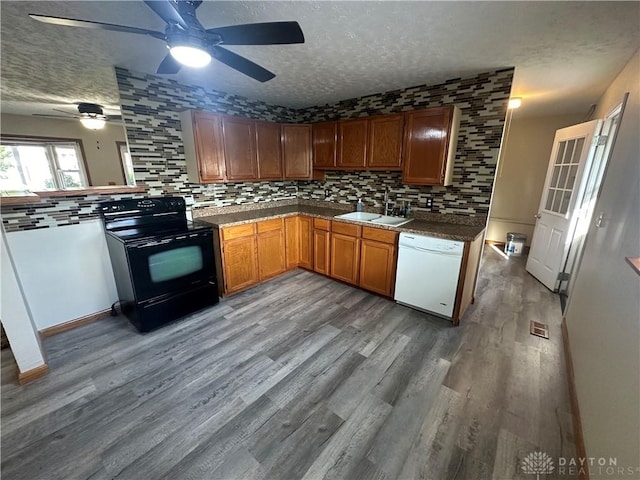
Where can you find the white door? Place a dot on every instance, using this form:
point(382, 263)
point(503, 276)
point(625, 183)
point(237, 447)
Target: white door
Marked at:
point(573, 149)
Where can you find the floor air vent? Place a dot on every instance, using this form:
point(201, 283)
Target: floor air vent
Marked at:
point(539, 329)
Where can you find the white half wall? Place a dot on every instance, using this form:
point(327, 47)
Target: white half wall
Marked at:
point(16, 319)
point(65, 272)
point(603, 313)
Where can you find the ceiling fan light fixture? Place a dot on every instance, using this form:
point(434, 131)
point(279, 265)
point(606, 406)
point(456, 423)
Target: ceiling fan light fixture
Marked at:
point(93, 123)
point(190, 56)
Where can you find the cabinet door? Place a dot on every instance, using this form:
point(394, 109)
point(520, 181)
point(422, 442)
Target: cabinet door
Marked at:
point(306, 242)
point(268, 151)
point(345, 257)
point(239, 148)
point(239, 263)
point(352, 143)
point(425, 146)
point(296, 152)
point(270, 254)
point(385, 142)
point(207, 132)
point(377, 267)
point(325, 139)
point(292, 242)
point(321, 248)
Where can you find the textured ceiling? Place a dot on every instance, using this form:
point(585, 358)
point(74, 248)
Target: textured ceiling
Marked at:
point(565, 53)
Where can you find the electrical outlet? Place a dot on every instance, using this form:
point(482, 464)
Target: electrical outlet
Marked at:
point(327, 193)
point(428, 203)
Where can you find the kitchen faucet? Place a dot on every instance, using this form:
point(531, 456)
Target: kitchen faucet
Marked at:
point(386, 201)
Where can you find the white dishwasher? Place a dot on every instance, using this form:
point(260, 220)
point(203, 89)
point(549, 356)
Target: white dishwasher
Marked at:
point(428, 272)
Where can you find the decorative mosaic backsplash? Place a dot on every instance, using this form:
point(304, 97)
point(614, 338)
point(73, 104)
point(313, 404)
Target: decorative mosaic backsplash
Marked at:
point(55, 211)
point(483, 103)
point(151, 109)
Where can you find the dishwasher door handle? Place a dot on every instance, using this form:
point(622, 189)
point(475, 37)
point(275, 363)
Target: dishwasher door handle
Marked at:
point(428, 250)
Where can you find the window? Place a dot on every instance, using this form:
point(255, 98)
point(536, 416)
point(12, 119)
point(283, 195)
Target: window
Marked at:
point(39, 164)
point(127, 164)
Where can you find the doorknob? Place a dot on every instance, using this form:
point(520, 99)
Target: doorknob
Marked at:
point(537, 215)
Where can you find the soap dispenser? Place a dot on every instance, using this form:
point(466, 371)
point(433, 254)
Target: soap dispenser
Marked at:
point(359, 205)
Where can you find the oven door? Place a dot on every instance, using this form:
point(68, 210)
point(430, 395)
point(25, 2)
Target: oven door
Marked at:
point(171, 265)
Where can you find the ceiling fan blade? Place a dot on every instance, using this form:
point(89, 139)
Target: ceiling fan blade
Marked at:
point(169, 65)
point(53, 116)
point(70, 22)
point(62, 111)
point(167, 10)
point(243, 65)
point(272, 33)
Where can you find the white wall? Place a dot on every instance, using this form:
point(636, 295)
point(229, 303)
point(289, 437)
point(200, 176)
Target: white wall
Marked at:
point(99, 146)
point(65, 272)
point(521, 174)
point(603, 315)
point(16, 318)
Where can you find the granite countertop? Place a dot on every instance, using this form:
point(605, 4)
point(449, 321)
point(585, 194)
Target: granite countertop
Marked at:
point(450, 231)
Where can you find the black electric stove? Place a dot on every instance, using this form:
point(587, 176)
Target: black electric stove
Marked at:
point(163, 264)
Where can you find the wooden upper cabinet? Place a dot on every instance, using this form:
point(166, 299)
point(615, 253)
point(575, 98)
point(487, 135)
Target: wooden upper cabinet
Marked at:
point(239, 148)
point(430, 141)
point(268, 151)
point(325, 140)
point(296, 152)
point(352, 143)
point(203, 146)
point(385, 142)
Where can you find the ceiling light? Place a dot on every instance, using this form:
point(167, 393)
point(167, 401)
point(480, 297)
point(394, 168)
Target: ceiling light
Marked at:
point(190, 56)
point(93, 123)
point(515, 102)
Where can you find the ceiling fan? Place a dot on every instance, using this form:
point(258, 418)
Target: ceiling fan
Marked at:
point(91, 115)
point(193, 45)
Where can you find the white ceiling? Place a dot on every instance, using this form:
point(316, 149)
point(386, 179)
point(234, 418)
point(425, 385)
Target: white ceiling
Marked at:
point(565, 53)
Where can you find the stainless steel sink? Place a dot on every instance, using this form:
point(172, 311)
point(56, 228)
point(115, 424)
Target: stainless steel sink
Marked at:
point(362, 216)
point(375, 218)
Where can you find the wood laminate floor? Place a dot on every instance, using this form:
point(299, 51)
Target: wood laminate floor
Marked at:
point(302, 377)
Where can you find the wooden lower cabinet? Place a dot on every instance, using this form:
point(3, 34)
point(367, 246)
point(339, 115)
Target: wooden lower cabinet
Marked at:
point(345, 258)
point(292, 242)
point(321, 249)
point(306, 242)
point(239, 263)
point(377, 266)
point(271, 248)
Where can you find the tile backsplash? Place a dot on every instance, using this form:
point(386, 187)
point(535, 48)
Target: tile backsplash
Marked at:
point(151, 108)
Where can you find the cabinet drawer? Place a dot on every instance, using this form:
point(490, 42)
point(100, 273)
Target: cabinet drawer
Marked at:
point(269, 225)
point(345, 229)
point(237, 231)
point(380, 235)
point(322, 224)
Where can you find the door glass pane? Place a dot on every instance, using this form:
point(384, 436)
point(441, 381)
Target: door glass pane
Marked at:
point(549, 203)
point(568, 153)
point(564, 205)
point(564, 170)
point(67, 159)
point(554, 177)
point(560, 153)
point(556, 201)
point(573, 171)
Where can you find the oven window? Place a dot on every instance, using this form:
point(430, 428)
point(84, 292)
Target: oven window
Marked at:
point(175, 263)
